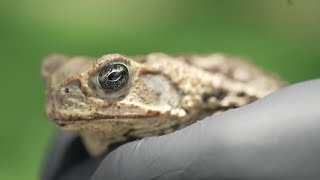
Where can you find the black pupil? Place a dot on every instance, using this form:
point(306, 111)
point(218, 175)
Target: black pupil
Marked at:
point(113, 77)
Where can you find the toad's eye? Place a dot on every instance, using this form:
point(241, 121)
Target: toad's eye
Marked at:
point(113, 77)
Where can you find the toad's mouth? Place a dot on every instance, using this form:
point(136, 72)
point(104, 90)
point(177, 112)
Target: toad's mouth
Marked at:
point(83, 121)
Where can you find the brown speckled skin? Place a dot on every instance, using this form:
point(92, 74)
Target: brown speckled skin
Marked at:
point(164, 93)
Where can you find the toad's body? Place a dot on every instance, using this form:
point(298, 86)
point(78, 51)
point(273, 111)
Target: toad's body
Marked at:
point(117, 98)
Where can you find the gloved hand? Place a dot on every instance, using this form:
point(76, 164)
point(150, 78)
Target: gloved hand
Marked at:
point(277, 137)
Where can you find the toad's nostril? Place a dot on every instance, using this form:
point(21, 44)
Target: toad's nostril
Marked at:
point(66, 90)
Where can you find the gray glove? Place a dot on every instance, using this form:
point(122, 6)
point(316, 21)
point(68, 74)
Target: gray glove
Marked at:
point(277, 137)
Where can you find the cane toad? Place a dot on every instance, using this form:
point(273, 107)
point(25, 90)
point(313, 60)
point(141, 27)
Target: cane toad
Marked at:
point(117, 98)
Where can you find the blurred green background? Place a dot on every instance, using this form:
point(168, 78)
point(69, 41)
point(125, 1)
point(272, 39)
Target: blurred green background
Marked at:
point(276, 34)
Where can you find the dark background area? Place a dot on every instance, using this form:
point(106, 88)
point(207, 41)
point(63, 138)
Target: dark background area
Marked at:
point(279, 35)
